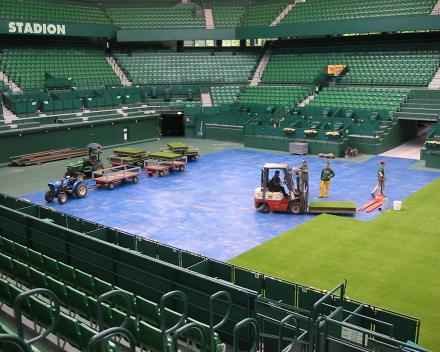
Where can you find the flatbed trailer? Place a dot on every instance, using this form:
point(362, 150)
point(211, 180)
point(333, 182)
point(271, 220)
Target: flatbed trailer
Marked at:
point(161, 161)
point(110, 175)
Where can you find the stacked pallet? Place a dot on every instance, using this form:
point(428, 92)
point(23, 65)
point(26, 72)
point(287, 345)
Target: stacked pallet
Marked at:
point(47, 156)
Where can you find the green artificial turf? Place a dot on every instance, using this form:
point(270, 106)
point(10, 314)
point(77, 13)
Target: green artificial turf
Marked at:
point(392, 261)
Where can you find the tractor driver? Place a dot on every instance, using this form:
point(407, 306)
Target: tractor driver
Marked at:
point(277, 184)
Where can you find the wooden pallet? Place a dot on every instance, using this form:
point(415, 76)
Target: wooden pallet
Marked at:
point(47, 156)
point(327, 156)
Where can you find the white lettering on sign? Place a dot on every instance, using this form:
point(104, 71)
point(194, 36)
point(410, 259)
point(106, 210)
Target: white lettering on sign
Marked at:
point(36, 28)
point(353, 335)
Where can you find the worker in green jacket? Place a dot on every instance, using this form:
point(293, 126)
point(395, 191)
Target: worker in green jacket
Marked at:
point(326, 174)
point(380, 179)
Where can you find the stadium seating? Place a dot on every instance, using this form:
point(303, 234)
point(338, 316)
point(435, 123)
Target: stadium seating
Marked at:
point(224, 95)
point(78, 292)
point(263, 15)
point(368, 99)
point(51, 13)
point(228, 17)
point(163, 66)
point(337, 10)
point(284, 96)
point(155, 18)
point(27, 63)
point(410, 64)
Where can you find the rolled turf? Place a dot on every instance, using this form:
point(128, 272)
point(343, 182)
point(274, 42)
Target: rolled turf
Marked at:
point(392, 261)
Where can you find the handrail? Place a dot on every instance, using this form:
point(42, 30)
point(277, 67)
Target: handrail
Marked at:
point(16, 341)
point(239, 325)
point(112, 293)
point(280, 335)
point(17, 310)
point(166, 331)
point(211, 314)
point(319, 302)
point(186, 327)
point(109, 333)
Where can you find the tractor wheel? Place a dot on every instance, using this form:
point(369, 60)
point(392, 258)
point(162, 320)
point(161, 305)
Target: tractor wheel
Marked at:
point(181, 168)
point(134, 179)
point(111, 185)
point(161, 173)
point(295, 208)
point(192, 158)
point(49, 196)
point(80, 190)
point(264, 208)
point(97, 167)
point(62, 198)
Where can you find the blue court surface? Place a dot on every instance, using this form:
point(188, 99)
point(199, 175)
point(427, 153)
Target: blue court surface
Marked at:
point(208, 209)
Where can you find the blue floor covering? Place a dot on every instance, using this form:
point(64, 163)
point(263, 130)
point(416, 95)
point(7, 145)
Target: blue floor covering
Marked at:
point(208, 208)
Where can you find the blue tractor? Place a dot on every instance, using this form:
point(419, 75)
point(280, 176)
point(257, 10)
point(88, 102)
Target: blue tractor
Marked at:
point(66, 187)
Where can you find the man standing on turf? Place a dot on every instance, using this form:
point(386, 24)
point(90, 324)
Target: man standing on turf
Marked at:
point(305, 176)
point(326, 174)
point(380, 179)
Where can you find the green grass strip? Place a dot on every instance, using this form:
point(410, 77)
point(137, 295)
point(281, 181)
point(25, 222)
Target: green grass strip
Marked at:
point(392, 261)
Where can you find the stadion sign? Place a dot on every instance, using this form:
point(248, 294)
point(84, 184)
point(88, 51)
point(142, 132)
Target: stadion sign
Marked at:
point(36, 28)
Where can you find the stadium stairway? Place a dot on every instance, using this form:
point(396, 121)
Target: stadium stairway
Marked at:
point(209, 19)
point(206, 99)
point(435, 82)
point(9, 82)
point(117, 70)
point(436, 9)
point(282, 14)
point(419, 109)
point(260, 69)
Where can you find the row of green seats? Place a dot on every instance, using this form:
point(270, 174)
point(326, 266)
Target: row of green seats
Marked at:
point(263, 15)
point(78, 292)
point(228, 17)
point(224, 95)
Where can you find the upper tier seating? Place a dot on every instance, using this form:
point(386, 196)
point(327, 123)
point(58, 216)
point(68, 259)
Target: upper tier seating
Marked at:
point(263, 15)
point(51, 13)
point(155, 18)
point(374, 63)
point(164, 66)
point(26, 64)
point(228, 17)
point(337, 10)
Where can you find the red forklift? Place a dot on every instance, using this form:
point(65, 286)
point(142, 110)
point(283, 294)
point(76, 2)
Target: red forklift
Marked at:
point(267, 197)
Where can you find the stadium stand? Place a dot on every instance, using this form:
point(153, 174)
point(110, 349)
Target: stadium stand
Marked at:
point(52, 13)
point(312, 11)
point(164, 66)
point(78, 61)
point(155, 18)
point(376, 63)
point(228, 17)
point(263, 15)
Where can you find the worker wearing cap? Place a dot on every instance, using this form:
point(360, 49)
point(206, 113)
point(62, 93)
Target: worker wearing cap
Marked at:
point(277, 184)
point(305, 176)
point(326, 174)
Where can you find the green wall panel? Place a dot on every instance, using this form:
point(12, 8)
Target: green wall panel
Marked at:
point(57, 137)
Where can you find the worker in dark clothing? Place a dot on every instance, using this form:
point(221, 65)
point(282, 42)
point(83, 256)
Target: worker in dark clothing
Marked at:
point(277, 184)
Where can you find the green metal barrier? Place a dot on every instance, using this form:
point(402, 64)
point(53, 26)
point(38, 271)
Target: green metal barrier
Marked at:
point(211, 314)
point(185, 328)
point(14, 339)
point(108, 334)
point(18, 315)
point(254, 324)
point(282, 326)
point(113, 293)
point(174, 328)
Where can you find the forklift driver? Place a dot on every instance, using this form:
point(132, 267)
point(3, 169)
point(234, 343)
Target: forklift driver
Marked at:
point(277, 184)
